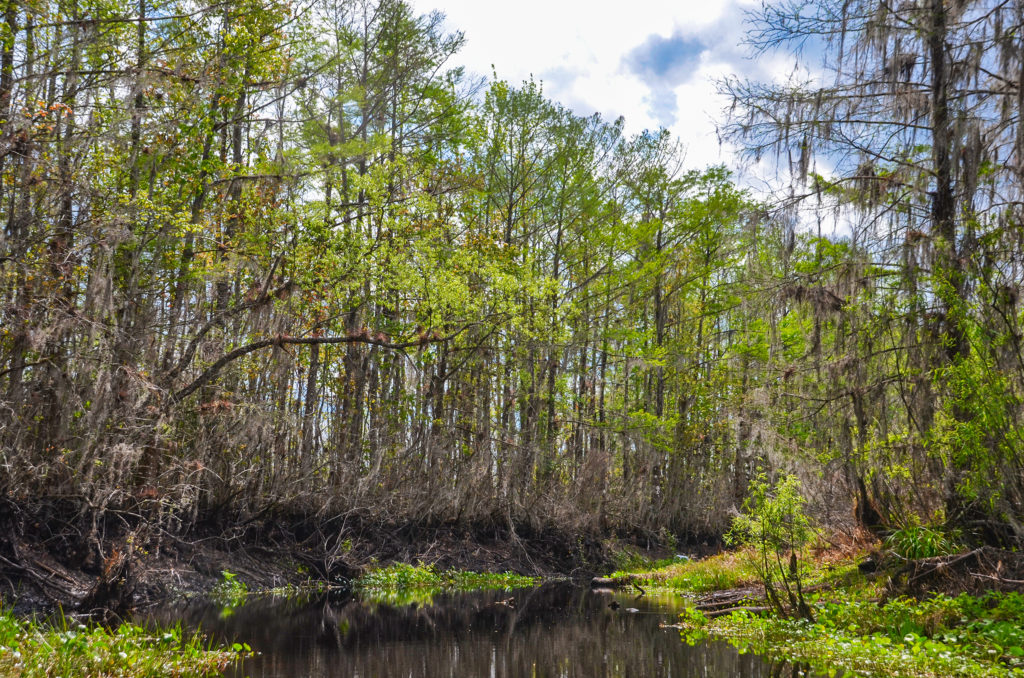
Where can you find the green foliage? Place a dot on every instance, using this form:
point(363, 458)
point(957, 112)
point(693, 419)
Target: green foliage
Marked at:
point(702, 579)
point(627, 560)
point(403, 582)
point(630, 560)
point(230, 591)
point(33, 650)
point(893, 353)
point(273, 197)
point(261, 219)
point(773, 523)
point(939, 636)
point(693, 622)
point(921, 541)
point(716, 573)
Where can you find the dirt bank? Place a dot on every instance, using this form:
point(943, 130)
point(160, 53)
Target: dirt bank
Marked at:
point(50, 557)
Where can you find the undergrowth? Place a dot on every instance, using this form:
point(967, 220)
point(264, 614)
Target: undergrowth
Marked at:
point(723, 571)
point(30, 649)
point(937, 637)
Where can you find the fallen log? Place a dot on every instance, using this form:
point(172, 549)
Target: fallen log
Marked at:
point(605, 583)
point(742, 608)
point(615, 582)
point(718, 604)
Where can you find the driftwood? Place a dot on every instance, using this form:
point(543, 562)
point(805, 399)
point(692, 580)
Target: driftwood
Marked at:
point(930, 566)
point(729, 595)
point(1001, 580)
point(46, 585)
point(971, 571)
point(712, 604)
point(614, 582)
point(726, 603)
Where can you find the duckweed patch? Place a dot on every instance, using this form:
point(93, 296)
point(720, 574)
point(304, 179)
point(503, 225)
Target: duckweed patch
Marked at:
point(30, 649)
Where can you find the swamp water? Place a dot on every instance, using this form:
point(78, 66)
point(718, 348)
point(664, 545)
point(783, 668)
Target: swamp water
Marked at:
point(555, 630)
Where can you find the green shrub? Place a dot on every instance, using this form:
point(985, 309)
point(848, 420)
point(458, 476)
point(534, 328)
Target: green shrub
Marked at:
point(775, 525)
point(921, 541)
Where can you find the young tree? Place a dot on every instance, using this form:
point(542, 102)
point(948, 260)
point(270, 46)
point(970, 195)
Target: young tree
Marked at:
point(775, 526)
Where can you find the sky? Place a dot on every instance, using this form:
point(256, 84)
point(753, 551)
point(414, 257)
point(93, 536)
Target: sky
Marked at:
point(652, 61)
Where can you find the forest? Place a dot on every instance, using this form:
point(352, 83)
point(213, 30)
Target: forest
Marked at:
point(270, 261)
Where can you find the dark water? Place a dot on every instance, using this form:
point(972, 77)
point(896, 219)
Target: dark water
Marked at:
point(556, 630)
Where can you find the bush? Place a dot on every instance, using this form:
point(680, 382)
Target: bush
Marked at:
point(774, 523)
point(921, 541)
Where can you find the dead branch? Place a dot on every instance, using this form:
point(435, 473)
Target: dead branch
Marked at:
point(378, 339)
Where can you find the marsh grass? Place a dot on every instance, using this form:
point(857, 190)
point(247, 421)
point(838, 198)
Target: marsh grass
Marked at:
point(419, 582)
point(728, 570)
point(30, 649)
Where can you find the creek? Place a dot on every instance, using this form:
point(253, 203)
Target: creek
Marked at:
point(557, 629)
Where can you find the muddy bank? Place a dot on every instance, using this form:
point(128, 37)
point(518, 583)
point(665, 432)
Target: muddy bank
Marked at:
point(50, 557)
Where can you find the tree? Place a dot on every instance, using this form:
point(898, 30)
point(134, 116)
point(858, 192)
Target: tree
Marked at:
point(916, 111)
point(263, 259)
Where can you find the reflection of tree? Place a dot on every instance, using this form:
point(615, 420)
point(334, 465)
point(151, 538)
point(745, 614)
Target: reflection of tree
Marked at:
point(556, 629)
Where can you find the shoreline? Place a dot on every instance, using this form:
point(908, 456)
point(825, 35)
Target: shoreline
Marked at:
point(141, 564)
point(867, 604)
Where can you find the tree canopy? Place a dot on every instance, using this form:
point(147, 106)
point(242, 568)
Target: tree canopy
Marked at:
point(263, 258)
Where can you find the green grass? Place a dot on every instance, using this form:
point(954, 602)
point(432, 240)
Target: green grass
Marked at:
point(402, 584)
point(29, 649)
point(727, 570)
point(940, 636)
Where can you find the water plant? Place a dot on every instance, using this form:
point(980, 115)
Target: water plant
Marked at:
point(404, 576)
point(939, 636)
point(230, 590)
point(30, 649)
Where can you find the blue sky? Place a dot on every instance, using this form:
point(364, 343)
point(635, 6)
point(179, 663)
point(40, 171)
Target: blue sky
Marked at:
point(651, 61)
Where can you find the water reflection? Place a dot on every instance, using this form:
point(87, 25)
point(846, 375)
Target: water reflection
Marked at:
point(556, 630)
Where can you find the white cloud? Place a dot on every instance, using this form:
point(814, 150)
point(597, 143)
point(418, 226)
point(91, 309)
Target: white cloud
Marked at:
point(591, 57)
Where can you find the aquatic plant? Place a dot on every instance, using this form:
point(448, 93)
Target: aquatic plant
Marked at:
point(940, 636)
point(30, 649)
point(230, 590)
point(403, 576)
